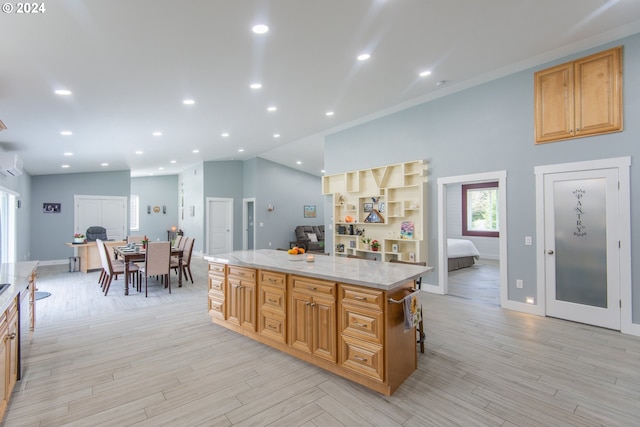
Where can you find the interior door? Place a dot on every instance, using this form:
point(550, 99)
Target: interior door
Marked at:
point(219, 225)
point(106, 211)
point(582, 270)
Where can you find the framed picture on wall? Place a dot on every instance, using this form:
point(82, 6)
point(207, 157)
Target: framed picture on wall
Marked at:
point(52, 207)
point(309, 211)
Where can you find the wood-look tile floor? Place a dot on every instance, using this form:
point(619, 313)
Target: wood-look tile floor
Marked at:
point(159, 361)
point(479, 283)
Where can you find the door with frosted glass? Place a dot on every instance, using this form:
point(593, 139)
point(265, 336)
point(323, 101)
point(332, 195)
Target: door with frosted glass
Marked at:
point(582, 247)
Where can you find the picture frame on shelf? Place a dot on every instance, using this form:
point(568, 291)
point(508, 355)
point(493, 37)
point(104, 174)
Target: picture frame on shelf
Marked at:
point(368, 207)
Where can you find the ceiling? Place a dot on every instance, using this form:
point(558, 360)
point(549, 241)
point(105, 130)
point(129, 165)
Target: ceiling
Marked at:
point(130, 65)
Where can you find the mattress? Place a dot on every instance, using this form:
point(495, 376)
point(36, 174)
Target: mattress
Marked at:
point(459, 248)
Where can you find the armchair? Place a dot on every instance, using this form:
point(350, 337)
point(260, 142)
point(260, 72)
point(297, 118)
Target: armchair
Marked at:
point(310, 237)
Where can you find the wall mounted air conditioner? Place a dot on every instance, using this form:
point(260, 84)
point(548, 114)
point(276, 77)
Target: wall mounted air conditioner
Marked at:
point(10, 164)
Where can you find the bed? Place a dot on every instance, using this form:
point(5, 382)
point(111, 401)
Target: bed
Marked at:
point(462, 253)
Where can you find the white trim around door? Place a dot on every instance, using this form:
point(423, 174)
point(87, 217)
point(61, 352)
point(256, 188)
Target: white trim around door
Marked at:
point(501, 177)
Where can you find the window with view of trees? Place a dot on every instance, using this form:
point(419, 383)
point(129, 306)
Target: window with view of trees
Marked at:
point(480, 209)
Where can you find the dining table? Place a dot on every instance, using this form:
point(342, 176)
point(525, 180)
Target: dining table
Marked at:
point(137, 254)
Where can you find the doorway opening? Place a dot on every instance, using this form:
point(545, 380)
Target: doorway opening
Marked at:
point(471, 267)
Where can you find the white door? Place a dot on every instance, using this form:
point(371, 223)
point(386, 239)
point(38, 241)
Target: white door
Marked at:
point(581, 246)
point(219, 225)
point(106, 211)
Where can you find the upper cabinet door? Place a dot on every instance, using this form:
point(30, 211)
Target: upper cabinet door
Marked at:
point(554, 103)
point(579, 98)
point(598, 93)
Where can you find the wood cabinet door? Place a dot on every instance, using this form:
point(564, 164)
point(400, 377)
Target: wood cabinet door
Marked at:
point(554, 115)
point(232, 298)
point(4, 370)
point(12, 348)
point(324, 328)
point(300, 321)
point(248, 306)
point(598, 93)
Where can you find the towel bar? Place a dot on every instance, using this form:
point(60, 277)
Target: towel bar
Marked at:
point(393, 301)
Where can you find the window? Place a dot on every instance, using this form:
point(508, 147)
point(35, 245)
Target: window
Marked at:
point(480, 209)
point(134, 214)
point(7, 226)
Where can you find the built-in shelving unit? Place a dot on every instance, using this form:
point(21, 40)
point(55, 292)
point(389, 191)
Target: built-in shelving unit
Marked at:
point(393, 197)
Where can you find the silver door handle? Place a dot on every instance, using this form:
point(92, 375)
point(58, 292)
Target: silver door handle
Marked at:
point(550, 252)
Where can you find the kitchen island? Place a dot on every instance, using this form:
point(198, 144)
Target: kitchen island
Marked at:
point(344, 315)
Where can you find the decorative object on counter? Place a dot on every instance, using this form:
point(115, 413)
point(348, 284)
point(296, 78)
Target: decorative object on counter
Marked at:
point(296, 253)
point(79, 238)
point(51, 207)
point(311, 258)
point(375, 245)
point(145, 242)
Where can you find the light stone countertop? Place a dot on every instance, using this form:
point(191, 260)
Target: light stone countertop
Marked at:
point(373, 274)
point(17, 274)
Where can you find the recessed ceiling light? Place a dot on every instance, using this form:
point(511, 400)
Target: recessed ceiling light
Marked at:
point(298, 162)
point(66, 133)
point(63, 92)
point(260, 29)
point(322, 171)
point(224, 134)
point(329, 113)
point(196, 151)
point(139, 152)
point(240, 150)
point(68, 153)
point(65, 166)
point(161, 168)
point(425, 73)
point(104, 164)
point(363, 57)
point(255, 85)
point(157, 133)
point(272, 108)
point(276, 135)
point(188, 102)
point(172, 161)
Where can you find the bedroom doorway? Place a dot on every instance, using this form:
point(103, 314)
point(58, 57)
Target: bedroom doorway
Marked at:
point(489, 269)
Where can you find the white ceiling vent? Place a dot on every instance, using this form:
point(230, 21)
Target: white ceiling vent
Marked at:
point(10, 164)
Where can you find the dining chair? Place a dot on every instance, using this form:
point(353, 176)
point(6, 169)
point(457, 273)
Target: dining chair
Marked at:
point(157, 262)
point(186, 259)
point(177, 241)
point(112, 268)
point(418, 283)
point(135, 239)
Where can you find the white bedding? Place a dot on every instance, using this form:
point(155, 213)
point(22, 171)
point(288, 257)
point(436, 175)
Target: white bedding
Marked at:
point(458, 248)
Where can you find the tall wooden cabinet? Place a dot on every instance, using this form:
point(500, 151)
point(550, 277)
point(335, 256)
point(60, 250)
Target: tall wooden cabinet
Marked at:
point(579, 98)
point(396, 193)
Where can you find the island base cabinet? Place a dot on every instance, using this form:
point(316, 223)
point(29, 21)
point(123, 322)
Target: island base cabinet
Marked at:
point(8, 354)
point(350, 330)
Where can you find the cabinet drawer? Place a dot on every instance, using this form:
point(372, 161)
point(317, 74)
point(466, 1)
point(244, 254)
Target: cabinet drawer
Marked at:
point(218, 268)
point(216, 283)
point(272, 278)
point(216, 307)
point(273, 299)
point(370, 298)
point(242, 272)
point(362, 323)
point(273, 326)
point(362, 357)
point(311, 286)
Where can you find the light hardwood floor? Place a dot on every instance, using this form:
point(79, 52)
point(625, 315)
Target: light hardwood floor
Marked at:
point(159, 361)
